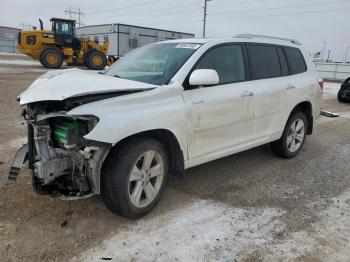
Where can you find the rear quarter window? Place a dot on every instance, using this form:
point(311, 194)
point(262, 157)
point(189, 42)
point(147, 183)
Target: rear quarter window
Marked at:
point(264, 61)
point(296, 60)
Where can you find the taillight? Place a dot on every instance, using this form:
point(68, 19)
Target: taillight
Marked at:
point(321, 82)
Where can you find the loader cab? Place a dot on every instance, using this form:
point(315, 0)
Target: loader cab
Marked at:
point(64, 30)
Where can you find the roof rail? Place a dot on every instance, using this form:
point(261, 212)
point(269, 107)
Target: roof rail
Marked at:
point(250, 36)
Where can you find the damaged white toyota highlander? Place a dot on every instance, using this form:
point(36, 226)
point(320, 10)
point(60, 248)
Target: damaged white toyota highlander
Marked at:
point(161, 109)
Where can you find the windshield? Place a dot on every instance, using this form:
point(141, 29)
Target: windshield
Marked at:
point(153, 64)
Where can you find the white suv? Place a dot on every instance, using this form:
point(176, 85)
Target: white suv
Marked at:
point(161, 109)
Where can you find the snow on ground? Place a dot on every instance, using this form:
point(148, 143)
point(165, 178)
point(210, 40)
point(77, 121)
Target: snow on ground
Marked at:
point(208, 231)
point(20, 62)
point(12, 54)
point(204, 230)
point(11, 70)
point(330, 90)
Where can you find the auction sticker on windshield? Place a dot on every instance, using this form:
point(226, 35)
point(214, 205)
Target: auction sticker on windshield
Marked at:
point(190, 46)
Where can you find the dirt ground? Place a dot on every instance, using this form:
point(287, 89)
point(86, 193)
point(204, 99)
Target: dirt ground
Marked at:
point(252, 206)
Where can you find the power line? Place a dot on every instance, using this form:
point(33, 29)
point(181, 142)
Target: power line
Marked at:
point(153, 10)
point(282, 14)
point(126, 7)
point(240, 3)
point(172, 13)
point(248, 17)
point(79, 13)
point(166, 8)
point(282, 7)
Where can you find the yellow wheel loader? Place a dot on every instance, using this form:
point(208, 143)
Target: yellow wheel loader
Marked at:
point(53, 47)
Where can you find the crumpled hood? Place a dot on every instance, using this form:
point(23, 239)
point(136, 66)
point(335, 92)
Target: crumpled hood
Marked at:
point(66, 83)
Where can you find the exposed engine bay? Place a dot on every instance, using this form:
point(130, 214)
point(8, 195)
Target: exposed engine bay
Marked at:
point(63, 163)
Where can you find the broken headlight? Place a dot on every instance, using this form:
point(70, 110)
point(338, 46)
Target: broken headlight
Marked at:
point(68, 132)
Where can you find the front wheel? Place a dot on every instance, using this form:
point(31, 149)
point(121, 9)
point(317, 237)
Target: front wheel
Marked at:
point(134, 177)
point(293, 137)
point(51, 58)
point(95, 60)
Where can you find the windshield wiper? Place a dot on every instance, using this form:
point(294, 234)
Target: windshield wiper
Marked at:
point(117, 76)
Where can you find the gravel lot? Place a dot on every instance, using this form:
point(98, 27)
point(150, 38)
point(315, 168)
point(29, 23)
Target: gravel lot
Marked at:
point(252, 206)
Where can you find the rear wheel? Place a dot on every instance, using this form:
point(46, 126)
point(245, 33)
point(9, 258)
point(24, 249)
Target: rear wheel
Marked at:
point(51, 58)
point(95, 60)
point(134, 177)
point(293, 137)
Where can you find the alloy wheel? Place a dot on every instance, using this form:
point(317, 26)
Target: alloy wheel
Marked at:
point(146, 178)
point(296, 135)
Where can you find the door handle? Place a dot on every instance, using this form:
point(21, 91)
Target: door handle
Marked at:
point(247, 93)
point(290, 87)
point(198, 102)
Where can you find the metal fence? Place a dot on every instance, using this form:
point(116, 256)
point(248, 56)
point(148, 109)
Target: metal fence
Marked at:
point(333, 71)
point(8, 45)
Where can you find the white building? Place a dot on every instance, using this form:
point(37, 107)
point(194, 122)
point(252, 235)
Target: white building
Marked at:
point(8, 39)
point(123, 38)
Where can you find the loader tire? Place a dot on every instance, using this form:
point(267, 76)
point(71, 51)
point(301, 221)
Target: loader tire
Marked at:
point(51, 58)
point(95, 60)
point(344, 94)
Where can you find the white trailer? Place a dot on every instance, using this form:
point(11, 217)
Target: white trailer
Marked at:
point(124, 38)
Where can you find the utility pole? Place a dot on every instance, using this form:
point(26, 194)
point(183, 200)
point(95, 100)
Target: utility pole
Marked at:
point(329, 54)
point(205, 16)
point(323, 50)
point(79, 13)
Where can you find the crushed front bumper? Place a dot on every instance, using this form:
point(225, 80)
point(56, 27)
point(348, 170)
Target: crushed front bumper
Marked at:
point(20, 158)
point(73, 173)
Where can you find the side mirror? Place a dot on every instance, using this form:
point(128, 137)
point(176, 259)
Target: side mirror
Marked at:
point(204, 77)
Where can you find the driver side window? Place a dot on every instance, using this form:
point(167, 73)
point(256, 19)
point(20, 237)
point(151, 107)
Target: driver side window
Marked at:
point(227, 61)
point(63, 28)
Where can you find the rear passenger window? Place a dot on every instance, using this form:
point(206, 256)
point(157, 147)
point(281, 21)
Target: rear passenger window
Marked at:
point(295, 60)
point(264, 61)
point(228, 61)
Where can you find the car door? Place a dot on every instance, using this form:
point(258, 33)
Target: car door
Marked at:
point(274, 90)
point(220, 117)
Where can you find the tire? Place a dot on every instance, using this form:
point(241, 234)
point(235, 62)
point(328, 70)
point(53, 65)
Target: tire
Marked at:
point(51, 58)
point(284, 146)
point(341, 94)
point(95, 60)
point(131, 196)
point(86, 62)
